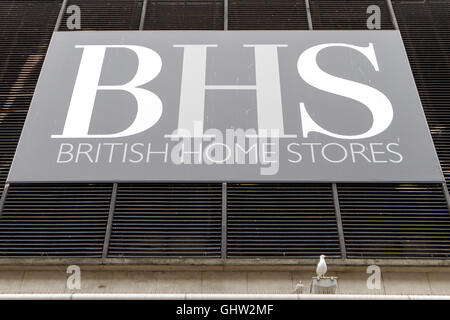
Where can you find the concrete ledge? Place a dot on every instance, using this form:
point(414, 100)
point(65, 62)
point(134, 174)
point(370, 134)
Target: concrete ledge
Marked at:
point(221, 263)
point(212, 283)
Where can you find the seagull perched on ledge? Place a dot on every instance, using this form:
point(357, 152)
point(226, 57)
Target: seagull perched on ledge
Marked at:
point(321, 267)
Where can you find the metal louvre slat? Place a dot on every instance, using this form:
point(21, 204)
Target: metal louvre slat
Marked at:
point(346, 14)
point(425, 29)
point(63, 220)
point(105, 15)
point(395, 221)
point(167, 220)
point(184, 15)
point(267, 15)
point(281, 220)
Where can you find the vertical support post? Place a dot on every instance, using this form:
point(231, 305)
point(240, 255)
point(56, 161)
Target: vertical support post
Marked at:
point(60, 16)
point(446, 194)
point(224, 221)
point(225, 15)
point(143, 13)
point(392, 13)
point(3, 197)
point(308, 15)
point(112, 206)
point(340, 229)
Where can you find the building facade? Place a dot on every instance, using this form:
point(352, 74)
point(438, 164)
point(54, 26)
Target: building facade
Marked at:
point(223, 237)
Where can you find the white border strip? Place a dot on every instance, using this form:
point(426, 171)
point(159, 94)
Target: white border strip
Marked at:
point(194, 296)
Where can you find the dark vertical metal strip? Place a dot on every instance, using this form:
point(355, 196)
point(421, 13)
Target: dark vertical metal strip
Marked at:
point(60, 15)
point(308, 15)
point(446, 194)
point(143, 13)
point(110, 220)
point(224, 221)
point(3, 198)
point(340, 229)
point(225, 15)
point(444, 189)
point(392, 13)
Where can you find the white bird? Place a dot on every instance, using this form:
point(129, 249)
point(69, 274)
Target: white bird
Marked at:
point(321, 267)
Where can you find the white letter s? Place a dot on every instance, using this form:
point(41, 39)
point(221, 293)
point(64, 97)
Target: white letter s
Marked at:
point(378, 104)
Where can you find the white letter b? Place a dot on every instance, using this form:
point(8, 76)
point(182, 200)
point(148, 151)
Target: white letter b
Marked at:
point(149, 106)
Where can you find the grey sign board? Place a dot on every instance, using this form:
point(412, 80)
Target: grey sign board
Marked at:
point(309, 106)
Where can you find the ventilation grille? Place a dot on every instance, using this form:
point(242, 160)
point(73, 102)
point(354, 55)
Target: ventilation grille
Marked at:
point(13, 110)
point(395, 221)
point(267, 15)
point(425, 30)
point(25, 31)
point(54, 220)
point(347, 14)
point(281, 220)
point(167, 220)
point(104, 15)
point(184, 15)
point(185, 220)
